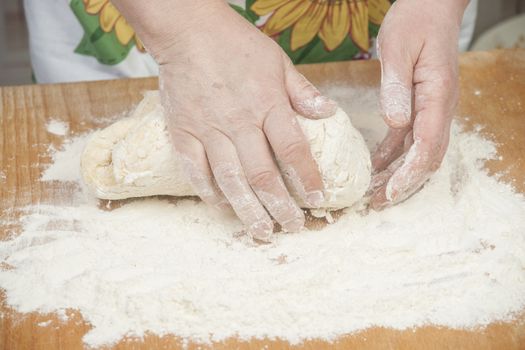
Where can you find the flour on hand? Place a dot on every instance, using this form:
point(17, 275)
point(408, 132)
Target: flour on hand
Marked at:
point(135, 158)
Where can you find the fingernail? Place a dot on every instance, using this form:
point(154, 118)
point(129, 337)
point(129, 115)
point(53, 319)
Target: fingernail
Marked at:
point(315, 199)
point(319, 106)
point(261, 231)
point(294, 225)
point(328, 107)
point(397, 104)
point(390, 192)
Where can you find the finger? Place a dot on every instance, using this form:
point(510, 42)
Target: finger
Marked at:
point(378, 200)
point(292, 152)
point(304, 97)
point(231, 179)
point(431, 134)
point(390, 148)
point(397, 68)
point(264, 177)
point(192, 156)
point(436, 98)
point(380, 179)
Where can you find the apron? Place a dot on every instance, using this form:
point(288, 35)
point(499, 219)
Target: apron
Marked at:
point(77, 40)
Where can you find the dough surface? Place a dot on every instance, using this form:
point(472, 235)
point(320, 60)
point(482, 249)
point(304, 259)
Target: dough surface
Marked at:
point(134, 158)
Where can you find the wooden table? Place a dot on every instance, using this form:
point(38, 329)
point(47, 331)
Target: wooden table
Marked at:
point(492, 94)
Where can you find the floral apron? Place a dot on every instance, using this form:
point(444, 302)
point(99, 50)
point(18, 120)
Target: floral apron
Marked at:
point(308, 30)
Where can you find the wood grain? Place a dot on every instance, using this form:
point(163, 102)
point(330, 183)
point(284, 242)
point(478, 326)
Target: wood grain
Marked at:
point(492, 95)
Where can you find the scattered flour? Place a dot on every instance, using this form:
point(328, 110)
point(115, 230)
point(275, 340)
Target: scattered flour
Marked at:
point(452, 255)
point(66, 162)
point(44, 323)
point(57, 127)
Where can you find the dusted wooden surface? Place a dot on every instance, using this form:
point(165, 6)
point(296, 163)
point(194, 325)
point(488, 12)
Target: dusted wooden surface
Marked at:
point(492, 95)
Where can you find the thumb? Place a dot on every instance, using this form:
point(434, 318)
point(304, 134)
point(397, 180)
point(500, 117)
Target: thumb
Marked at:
point(396, 84)
point(304, 97)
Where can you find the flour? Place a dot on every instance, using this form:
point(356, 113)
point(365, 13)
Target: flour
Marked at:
point(452, 255)
point(57, 127)
point(66, 162)
point(44, 323)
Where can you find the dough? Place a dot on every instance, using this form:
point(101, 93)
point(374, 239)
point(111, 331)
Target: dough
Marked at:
point(134, 158)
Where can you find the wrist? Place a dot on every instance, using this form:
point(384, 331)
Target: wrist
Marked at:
point(162, 24)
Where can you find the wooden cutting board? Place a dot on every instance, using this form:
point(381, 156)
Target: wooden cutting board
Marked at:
point(492, 94)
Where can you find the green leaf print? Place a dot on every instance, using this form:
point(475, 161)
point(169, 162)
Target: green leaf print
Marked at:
point(373, 29)
point(248, 6)
point(105, 47)
point(248, 14)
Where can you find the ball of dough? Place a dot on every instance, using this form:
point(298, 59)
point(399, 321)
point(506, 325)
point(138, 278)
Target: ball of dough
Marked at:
point(134, 158)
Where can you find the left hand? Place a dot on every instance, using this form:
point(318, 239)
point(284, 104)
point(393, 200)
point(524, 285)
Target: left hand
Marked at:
point(418, 50)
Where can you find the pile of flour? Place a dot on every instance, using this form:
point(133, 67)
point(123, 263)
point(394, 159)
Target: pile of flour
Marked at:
point(452, 255)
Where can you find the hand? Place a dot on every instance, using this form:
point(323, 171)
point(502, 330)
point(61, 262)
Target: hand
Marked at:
point(417, 47)
point(231, 95)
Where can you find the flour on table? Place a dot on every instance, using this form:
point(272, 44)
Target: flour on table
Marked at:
point(44, 323)
point(66, 162)
point(57, 127)
point(135, 158)
point(452, 255)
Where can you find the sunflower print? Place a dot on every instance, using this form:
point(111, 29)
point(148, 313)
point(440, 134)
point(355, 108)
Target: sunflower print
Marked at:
point(330, 20)
point(111, 20)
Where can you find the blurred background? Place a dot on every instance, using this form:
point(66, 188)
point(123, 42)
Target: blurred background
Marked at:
point(500, 23)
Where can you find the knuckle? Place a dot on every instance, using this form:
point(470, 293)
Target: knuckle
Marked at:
point(239, 128)
point(263, 178)
point(238, 120)
point(210, 136)
point(227, 174)
point(294, 150)
point(442, 79)
point(304, 84)
point(242, 132)
point(247, 210)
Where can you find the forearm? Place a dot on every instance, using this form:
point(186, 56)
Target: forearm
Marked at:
point(458, 7)
point(159, 23)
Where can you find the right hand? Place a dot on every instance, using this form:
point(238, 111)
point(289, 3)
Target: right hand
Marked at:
point(231, 95)
point(419, 94)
